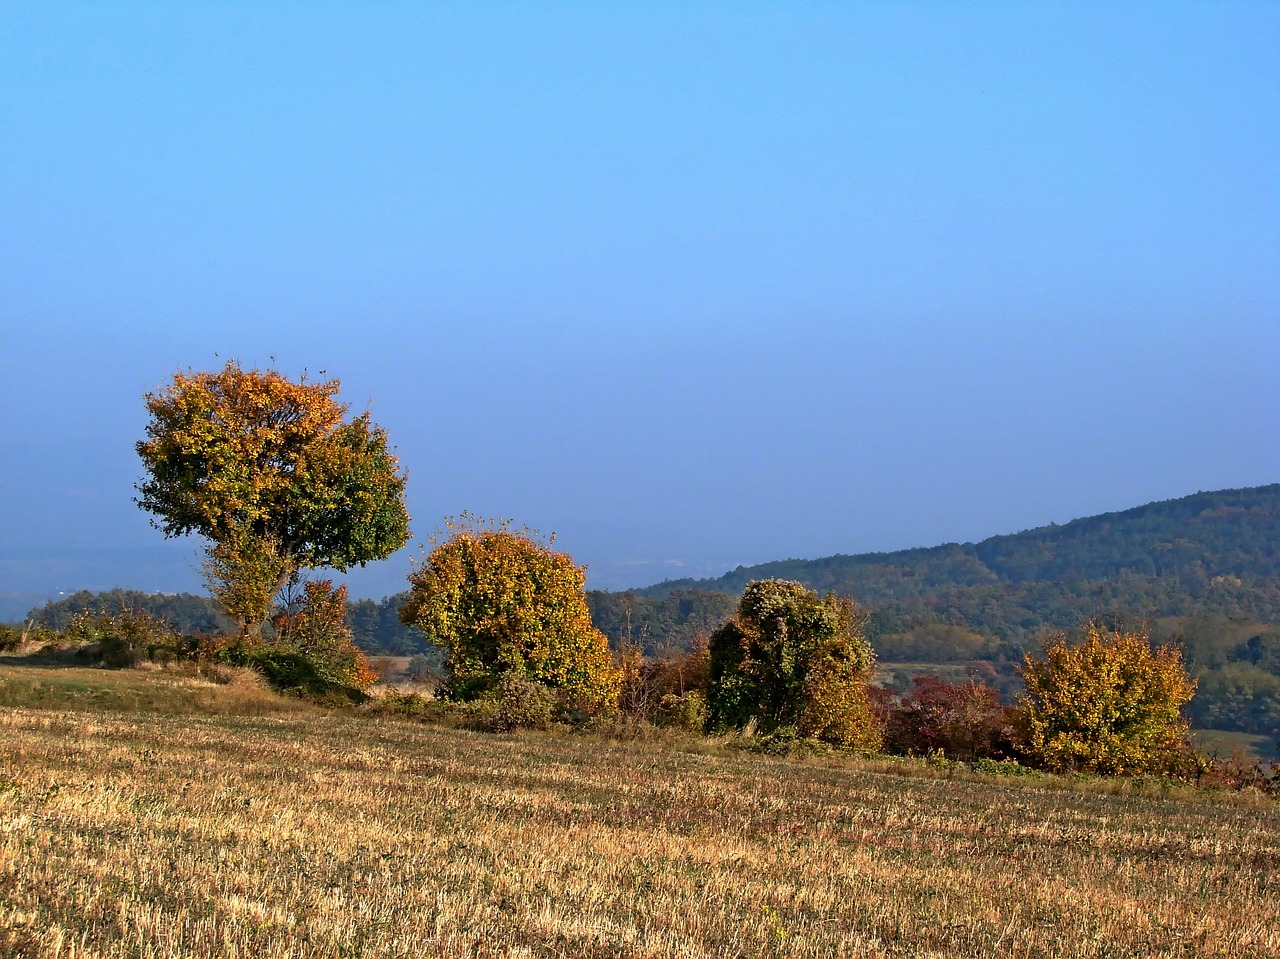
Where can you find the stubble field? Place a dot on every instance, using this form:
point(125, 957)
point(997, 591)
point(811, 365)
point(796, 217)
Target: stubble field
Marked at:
point(289, 832)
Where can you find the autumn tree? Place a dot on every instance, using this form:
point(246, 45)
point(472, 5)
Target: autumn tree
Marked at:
point(791, 659)
point(1109, 704)
point(502, 601)
point(274, 476)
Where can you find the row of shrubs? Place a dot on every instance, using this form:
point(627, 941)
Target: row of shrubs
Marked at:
point(949, 725)
point(307, 650)
point(945, 723)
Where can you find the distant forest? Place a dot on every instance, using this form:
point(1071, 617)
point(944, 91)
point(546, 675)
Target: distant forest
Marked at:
point(1202, 571)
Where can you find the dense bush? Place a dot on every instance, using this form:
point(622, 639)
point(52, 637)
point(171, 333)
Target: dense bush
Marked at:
point(687, 711)
point(789, 658)
point(1109, 704)
point(523, 704)
point(125, 638)
point(500, 600)
point(315, 630)
point(963, 721)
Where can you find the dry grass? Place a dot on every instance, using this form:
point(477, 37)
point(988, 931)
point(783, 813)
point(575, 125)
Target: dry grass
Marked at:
point(305, 833)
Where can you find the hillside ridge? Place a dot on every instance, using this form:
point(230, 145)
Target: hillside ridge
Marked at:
point(1231, 532)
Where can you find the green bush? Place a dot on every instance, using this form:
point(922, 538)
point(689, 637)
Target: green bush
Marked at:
point(688, 712)
point(126, 638)
point(296, 672)
point(1003, 767)
point(790, 658)
point(410, 705)
point(10, 638)
point(522, 703)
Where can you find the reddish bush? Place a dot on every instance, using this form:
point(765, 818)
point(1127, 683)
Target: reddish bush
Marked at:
point(963, 721)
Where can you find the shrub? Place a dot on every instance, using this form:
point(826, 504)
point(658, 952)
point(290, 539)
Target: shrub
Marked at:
point(10, 638)
point(523, 704)
point(125, 638)
point(316, 631)
point(411, 705)
point(789, 659)
point(649, 686)
point(688, 712)
point(502, 601)
point(1004, 767)
point(962, 720)
point(1109, 704)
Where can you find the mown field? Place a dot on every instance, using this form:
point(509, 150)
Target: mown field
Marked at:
point(148, 816)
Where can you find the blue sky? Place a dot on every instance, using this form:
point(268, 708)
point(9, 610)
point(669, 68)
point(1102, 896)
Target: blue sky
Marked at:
point(692, 284)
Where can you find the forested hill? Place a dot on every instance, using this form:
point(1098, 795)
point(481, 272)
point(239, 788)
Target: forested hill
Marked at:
point(1203, 542)
point(1202, 571)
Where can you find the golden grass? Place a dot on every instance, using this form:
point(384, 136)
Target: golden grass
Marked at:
point(306, 833)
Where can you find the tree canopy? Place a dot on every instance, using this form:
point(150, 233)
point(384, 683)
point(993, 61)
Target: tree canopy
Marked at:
point(270, 472)
point(1109, 704)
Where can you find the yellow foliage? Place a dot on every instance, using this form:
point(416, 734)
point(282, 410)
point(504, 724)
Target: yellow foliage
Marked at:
point(243, 572)
point(502, 601)
point(1109, 704)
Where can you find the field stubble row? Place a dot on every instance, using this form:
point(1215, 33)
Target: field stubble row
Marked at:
point(317, 834)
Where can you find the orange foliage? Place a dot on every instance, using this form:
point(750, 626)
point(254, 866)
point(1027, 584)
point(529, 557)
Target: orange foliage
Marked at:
point(317, 629)
point(269, 471)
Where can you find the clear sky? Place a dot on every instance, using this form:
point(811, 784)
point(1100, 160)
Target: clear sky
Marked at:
point(692, 284)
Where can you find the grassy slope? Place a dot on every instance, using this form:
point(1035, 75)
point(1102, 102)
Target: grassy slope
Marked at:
point(223, 828)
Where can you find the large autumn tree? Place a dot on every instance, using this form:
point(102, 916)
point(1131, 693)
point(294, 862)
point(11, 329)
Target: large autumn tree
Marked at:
point(272, 473)
point(503, 602)
point(1108, 704)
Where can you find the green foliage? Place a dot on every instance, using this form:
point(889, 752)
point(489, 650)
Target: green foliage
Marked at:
point(687, 711)
point(125, 638)
point(244, 571)
point(377, 628)
point(523, 704)
point(408, 705)
point(375, 624)
point(792, 659)
point(500, 601)
point(1210, 551)
point(180, 612)
point(934, 643)
point(10, 637)
point(1109, 704)
point(1203, 568)
point(1237, 696)
point(1004, 767)
point(269, 472)
point(659, 625)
